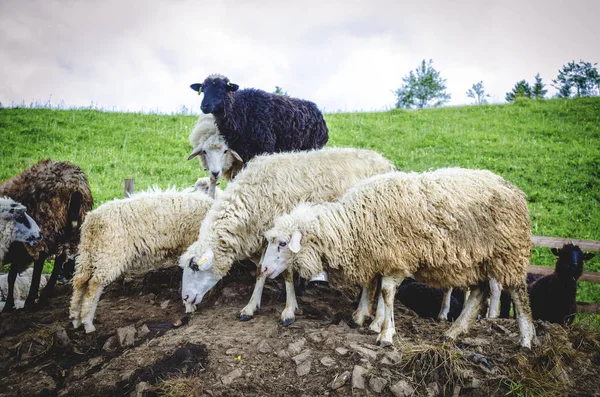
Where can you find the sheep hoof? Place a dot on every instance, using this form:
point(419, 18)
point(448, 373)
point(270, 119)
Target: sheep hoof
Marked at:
point(76, 324)
point(89, 328)
point(244, 317)
point(8, 308)
point(353, 324)
point(384, 343)
point(287, 321)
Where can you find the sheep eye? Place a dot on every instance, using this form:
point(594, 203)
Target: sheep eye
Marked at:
point(204, 152)
point(282, 244)
point(225, 151)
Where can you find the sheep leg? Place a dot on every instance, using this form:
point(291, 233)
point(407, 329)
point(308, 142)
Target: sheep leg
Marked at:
point(495, 291)
point(469, 312)
point(443, 316)
point(90, 304)
point(254, 303)
point(10, 299)
point(362, 311)
point(523, 311)
point(388, 292)
point(47, 292)
point(379, 315)
point(291, 305)
point(38, 266)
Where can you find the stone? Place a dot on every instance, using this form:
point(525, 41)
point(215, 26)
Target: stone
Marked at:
point(386, 361)
point(296, 347)
point(328, 361)
point(475, 341)
point(111, 344)
point(140, 388)
point(143, 331)
point(230, 377)
point(264, 347)
point(283, 353)
point(358, 377)
point(394, 356)
point(363, 351)
point(315, 337)
point(402, 389)
point(126, 335)
point(433, 390)
point(300, 358)
point(304, 368)
point(341, 351)
point(377, 384)
point(165, 304)
point(150, 297)
point(229, 292)
point(61, 337)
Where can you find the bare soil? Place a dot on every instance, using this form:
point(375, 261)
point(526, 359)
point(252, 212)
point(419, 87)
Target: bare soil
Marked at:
point(211, 353)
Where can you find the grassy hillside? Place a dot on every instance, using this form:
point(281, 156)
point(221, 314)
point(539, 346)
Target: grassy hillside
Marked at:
point(550, 149)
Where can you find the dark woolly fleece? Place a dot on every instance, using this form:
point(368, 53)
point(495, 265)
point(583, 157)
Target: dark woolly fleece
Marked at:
point(426, 301)
point(55, 194)
point(254, 122)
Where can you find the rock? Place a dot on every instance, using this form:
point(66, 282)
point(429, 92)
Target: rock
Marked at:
point(363, 351)
point(126, 335)
point(327, 361)
point(264, 347)
point(386, 361)
point(394, 356)
point(143, 331)
point(229, 292)
point(150, 297)
point(476, 341)
point(358, 380)
point(300, 358)
point(499, 327)
point(272, 331)
point(234, 351)
point(315, 337)
point(230, 377)
point(341, 351)
point(140, 388)
point(433, 390)
point(283, 353)
point(296, 347)
point(339, 381)
point(111, 344)
point(61, 337)
point(165, 304)
point(377, 384)
point(304, 368)
point(329, 342)
point(402, 389)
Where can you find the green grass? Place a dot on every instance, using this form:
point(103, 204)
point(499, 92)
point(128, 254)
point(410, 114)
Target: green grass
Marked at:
point(550, 149)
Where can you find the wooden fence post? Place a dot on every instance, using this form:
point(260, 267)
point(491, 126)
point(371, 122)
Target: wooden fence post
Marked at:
point(128, 187)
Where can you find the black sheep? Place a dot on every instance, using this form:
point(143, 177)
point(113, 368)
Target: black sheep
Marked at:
point(552, 297)
point(254, 122)
point(426, 301)
point(57, 196)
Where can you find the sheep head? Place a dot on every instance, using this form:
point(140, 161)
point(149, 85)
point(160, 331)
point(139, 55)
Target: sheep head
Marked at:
point(215, 87)
point(569, 262)
point(15, 217)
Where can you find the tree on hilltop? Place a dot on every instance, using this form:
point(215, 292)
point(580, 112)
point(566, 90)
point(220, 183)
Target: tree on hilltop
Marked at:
point(477, 92)
point(280, 91)
point(582, 76)
point(522, 89)
point(538, 91)
point(422, 88)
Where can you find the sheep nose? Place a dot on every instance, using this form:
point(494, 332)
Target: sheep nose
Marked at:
point(185, 298)
point(215, 174)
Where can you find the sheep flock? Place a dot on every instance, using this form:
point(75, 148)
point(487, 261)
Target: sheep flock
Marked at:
point(293, 207)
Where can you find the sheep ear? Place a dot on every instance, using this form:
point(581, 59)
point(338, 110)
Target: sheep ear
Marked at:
point(196, 152)
point(587, 256)
point(236, 156)
point(206, 261)
point(232, 87)
point(197, 87)
point(295, 242)
point(555, 251)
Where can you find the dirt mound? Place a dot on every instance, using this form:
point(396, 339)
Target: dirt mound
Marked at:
point(145, 345)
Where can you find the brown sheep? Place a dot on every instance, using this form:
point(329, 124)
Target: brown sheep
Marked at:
point(57, 196)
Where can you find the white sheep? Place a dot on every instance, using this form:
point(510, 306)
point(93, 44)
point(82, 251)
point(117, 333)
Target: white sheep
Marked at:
point(136, 232)
point(21, 288)
point(16, 226)
point(213, 152)
point(266, 188)
point(447, 228)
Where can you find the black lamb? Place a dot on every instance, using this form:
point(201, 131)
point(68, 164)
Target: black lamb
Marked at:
point(552, 297)
point(254, 122)
point(426, 301)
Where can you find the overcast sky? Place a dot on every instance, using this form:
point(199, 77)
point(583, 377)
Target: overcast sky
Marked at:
point(343, 55)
